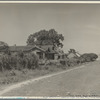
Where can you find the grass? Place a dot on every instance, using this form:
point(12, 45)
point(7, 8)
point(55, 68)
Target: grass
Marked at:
point(10, 77)
point(13, 76)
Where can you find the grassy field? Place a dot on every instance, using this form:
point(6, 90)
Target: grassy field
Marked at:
point(10, 77)
point(20, 67)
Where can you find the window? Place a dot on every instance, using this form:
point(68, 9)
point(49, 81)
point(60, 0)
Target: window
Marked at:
point(40, 54)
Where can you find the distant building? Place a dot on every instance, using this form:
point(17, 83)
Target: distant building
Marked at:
point(72, 54)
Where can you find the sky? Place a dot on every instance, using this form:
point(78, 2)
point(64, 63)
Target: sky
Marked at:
point(79, 24)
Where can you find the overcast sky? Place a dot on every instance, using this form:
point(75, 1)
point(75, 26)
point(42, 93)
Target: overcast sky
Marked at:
point(79, 23)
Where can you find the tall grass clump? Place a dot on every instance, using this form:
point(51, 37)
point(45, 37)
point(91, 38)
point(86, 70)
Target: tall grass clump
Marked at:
point(70, 62)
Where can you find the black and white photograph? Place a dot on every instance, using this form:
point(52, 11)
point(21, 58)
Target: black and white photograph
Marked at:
point(49, 49)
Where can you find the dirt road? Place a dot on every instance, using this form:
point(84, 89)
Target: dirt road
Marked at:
point(77, 82)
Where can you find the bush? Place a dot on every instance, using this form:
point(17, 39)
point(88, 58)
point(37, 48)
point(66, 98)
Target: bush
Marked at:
point(63, 62)
point(32, 61)
point(69, 62)
point(7, 62)
point(89, 57)
point(79, 60)
point(19, 61)
point(73, 61)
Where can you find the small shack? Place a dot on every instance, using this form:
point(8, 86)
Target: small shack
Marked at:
point(72, 54)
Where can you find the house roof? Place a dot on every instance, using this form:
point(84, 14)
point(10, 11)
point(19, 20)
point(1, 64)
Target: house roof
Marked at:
point(72, 51)
point(51, 50)
point(23, 48)
point(43, 48)
point(48, 48)
point(74, 54)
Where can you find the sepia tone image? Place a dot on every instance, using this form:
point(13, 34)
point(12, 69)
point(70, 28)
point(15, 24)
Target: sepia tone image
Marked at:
point(49, 50)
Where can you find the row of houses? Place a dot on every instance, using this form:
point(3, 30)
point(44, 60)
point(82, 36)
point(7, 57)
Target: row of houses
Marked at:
point(43, 52)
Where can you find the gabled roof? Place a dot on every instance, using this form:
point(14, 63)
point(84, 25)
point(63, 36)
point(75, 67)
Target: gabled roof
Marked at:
point(75, 54)
point(51, 49)
point(48, 48)
point(45, 47)
point(23, 48)
point(72, 53)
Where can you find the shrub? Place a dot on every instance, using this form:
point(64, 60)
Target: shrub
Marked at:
point(89, 57)
point(19, 61)
point(32, 61)
point(7, 62)
point(20, 54)
point(63, 62)
point(79, 60)
point(73, 61)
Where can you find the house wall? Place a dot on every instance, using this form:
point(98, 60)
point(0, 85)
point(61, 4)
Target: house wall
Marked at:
point(35, 51)
point(38, 53)
point(53, 56)
point(50, 56)
point(56, 56)
point(71, 55)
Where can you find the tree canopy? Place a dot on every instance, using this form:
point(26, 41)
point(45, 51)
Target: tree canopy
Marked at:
point(89, 57)
point(44, 37)
point(3, 45)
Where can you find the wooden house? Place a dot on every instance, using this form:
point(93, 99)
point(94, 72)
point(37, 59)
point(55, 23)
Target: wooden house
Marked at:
point(28, 49)
point(43, 52)
point(52, 53)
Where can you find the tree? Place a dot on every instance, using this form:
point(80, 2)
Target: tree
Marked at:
point(89, 57)
point(45, 37)
point(4, 46)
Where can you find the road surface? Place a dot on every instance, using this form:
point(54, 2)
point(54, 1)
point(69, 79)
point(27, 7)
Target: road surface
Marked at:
point(77, 82)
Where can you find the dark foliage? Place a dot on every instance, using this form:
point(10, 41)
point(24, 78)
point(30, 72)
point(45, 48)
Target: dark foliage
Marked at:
point(19, 61)
point(79, 60)
point(87, 57)
point(45, 37)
